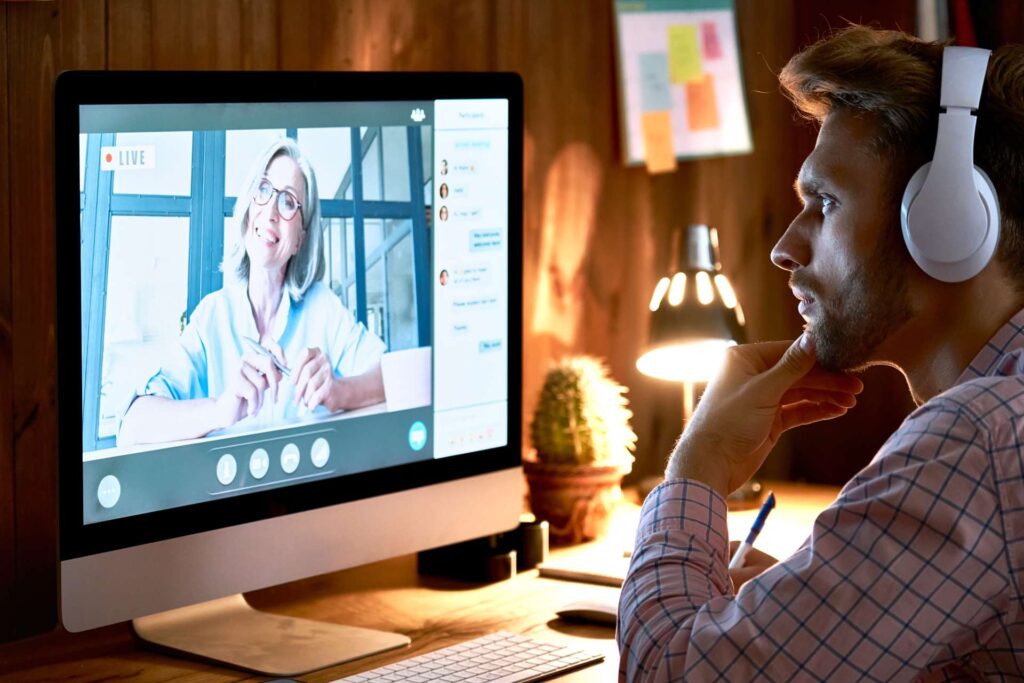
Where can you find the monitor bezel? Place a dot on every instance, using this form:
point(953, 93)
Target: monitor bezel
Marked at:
point(77, 88)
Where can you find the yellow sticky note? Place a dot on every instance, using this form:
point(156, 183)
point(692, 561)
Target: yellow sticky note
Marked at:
point(701, 106)
point(684, 54)
point(658, 152)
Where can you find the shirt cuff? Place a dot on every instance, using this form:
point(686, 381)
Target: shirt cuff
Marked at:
point(687, 505)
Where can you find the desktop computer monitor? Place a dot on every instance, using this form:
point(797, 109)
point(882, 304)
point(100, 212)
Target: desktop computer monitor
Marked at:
point(289, 331)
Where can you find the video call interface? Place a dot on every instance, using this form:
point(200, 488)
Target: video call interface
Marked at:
point(274, 294)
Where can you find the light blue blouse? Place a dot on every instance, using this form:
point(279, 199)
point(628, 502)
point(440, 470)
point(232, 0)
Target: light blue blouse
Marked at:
point(210, 350)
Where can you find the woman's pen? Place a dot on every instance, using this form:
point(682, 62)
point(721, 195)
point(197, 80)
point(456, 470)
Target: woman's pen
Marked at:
point(755, 529)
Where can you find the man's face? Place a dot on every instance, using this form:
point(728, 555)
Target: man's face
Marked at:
point(844, 249)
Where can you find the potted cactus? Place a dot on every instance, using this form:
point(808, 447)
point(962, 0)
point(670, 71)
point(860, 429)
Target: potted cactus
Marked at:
point(582, 442)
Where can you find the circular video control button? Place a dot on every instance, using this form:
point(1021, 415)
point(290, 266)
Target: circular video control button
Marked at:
point(259, 463)
point(417, 436)
point(227, 468)
point(109, 491)
point(320, 453)
point(290, 458)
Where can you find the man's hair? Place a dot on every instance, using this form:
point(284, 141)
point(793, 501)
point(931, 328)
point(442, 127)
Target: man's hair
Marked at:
point(305, 267)
point(895, 79)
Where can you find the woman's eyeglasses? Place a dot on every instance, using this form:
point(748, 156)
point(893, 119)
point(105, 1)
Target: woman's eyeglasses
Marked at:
point(287, 203)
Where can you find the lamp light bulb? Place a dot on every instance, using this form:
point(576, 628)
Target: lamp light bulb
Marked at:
point(725, 290)
point(705, 294)
point(678, 289)
point(659, 293)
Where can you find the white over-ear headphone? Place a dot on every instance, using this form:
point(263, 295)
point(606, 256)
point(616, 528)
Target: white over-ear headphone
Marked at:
point(950, 212)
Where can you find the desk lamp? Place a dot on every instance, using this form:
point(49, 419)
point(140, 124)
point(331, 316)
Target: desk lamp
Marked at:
point(695, 317)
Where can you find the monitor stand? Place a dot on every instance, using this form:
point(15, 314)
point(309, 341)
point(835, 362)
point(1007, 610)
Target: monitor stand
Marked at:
point(231, 631)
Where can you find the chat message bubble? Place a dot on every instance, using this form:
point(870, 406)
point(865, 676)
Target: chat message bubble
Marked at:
point(475, 302)
point(487, 345)
point(474, 275)
point(485, 240)
point(467, 213)
point(473, 144)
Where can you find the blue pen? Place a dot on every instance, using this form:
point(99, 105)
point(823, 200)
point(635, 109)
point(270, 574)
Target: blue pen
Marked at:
point(755, 529)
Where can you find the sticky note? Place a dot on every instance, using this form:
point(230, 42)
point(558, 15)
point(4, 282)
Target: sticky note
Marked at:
point(684, 54)
point(701, 106)
point(655, 89)
point(658, 151)
point(709, 39)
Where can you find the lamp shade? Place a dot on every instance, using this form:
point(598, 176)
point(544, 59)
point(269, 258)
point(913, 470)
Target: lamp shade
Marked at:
point(695, 316)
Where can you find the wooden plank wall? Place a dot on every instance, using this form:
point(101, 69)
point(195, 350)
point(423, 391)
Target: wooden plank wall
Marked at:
point(595, 234)
point(7, 554)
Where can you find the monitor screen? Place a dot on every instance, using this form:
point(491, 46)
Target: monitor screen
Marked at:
point(290, 291)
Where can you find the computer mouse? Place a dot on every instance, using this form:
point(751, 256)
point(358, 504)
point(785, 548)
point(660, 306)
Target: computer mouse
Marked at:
point(590, 611)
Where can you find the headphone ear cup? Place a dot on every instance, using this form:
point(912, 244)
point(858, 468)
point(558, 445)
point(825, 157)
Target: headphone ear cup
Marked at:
point(968, 265)
point(910, 193)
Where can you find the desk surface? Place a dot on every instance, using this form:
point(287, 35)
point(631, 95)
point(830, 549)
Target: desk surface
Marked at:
point(390, 596)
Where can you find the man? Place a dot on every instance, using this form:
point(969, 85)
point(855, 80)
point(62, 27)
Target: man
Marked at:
point(917, 570)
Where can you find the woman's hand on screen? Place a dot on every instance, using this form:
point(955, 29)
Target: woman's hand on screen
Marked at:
point(315, 383)
point(248, 389)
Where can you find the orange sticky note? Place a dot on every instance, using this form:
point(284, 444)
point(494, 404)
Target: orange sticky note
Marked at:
point(701, 106)
point(684, 54)
point(659, 154)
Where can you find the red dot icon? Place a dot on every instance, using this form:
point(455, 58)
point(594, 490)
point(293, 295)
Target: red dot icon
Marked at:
point(109, 157)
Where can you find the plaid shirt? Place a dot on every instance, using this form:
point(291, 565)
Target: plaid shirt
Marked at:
point(916, 571)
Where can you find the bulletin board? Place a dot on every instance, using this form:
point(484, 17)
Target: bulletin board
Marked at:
point(680, 82)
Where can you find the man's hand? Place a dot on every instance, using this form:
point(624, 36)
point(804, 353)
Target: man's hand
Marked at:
point(755, 563)
point(762, 391)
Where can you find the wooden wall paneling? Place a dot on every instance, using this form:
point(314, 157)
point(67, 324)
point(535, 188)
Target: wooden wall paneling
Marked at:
point(564, 53)
point(364, 35)
point(129, 42)
point(49, 38)
point(7, 550)
point(32, 60)
point(259, 26)
point(196, 34)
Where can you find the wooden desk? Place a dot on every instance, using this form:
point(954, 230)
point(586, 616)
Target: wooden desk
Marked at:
point(386, 595)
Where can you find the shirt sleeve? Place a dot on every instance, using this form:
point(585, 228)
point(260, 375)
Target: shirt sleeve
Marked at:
point(358, 348)
point(905, 573)
point(183, 371)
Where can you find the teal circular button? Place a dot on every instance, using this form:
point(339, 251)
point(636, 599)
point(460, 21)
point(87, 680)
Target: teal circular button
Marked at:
point(109, 491)
point(417, 436)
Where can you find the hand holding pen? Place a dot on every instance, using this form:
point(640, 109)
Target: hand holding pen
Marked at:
point(259, 349)
point(755, 529)
point(259, 374)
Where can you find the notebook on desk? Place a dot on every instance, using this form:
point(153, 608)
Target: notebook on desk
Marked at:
point(605, 565)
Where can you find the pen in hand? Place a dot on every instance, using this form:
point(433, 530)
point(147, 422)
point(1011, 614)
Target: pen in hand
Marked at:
point(755, 529)
point(259, 348)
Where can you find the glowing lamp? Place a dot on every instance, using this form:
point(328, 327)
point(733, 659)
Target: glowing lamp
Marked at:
point(695, 316)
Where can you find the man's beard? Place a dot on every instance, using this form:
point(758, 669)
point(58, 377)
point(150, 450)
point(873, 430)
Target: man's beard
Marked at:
point(869, 306)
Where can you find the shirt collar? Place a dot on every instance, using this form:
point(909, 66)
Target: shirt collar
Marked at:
point(1002, 355)
point(243, 317)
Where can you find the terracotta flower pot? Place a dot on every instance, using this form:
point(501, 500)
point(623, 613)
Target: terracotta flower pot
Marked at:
point(576, 500)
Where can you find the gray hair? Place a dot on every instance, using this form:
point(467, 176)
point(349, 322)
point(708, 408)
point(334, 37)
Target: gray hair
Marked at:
point(307, 266)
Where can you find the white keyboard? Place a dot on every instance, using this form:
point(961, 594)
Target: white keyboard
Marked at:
point(496, 658)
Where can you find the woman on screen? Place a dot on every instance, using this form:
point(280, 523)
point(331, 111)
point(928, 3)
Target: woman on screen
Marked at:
point(275, 341)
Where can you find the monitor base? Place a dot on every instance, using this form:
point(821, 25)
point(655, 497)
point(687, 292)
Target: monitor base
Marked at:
point(231, 631)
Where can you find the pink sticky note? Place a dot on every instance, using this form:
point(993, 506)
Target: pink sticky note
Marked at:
point(712, 45)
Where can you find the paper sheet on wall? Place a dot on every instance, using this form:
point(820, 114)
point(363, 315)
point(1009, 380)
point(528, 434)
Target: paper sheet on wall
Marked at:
point(681, 87)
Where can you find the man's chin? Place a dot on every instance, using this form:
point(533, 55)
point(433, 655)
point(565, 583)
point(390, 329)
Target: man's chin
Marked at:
point(837, 355)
